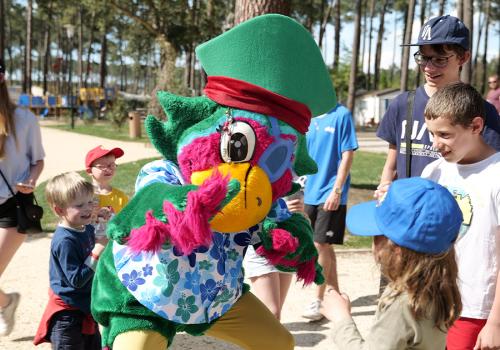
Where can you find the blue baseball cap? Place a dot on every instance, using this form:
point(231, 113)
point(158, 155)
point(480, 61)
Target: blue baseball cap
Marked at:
point(443, 30)
point(416, 213)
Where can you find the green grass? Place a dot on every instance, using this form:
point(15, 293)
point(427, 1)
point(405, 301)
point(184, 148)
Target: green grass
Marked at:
point(366, 169)
point(365, 173)
point(102, 129)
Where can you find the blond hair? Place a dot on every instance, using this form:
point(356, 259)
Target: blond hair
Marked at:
point(7, 110)
point(63, 189)
point(430, 280)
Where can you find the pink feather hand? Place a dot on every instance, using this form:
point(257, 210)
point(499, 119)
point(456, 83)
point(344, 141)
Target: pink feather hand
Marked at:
point(188, 229)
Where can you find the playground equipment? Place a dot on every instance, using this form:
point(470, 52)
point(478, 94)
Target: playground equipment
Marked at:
point(87, 100)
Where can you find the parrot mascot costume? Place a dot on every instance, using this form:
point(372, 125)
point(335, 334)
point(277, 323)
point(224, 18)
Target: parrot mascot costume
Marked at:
point(174, 259)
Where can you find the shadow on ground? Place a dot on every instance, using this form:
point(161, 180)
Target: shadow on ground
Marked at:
point(365, 300)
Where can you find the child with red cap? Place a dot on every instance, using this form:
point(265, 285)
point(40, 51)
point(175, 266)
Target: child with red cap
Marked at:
point(100, 165)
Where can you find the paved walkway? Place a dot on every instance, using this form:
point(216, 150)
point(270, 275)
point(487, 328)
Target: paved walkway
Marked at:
point(28, 272)
point(65, 151)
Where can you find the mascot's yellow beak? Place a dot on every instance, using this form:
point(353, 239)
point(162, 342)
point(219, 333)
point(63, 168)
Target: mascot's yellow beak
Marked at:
point(252, 203)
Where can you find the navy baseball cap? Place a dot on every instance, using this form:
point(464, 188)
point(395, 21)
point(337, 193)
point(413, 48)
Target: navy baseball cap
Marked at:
point(416, 213)
point(443, 30)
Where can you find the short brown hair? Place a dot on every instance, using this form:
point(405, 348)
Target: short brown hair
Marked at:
point(456, 49)
point(459, 102)
point(62, 189)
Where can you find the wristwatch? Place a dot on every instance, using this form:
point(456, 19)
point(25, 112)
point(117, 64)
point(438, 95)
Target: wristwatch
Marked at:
point(337, 190)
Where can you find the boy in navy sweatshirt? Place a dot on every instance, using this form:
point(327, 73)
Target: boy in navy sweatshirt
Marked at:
point(74, 252)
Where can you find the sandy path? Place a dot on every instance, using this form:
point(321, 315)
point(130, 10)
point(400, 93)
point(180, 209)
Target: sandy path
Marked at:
point(28, 274)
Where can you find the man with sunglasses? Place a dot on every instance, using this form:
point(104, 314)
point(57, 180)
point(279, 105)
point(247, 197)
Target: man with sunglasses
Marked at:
point(493, 96)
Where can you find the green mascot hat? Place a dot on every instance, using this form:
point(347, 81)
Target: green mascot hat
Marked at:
point(269, 65)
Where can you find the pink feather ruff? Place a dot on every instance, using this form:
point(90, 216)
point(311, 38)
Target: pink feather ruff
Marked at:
point(283, 244)
point(307, 271)
point(188, 229)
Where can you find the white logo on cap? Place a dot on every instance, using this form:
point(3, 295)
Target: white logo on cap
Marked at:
point(426, 33)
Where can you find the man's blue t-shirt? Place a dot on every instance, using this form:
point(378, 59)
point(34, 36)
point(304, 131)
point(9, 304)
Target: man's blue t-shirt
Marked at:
point(393, 127)
point(329, 135)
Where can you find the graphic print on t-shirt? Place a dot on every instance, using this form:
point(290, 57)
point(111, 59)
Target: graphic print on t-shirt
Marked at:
point(418, 147)
point(464, 202)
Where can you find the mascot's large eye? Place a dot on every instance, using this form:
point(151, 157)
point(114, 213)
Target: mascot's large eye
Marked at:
point(238, 143)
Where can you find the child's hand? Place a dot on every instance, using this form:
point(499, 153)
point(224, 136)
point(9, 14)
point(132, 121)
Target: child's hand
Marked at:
point(105, 213)
point(295, 205)
point(489, 337)
point(100, 244)
point(381, 190)
point(332, 201)
point(335, 306)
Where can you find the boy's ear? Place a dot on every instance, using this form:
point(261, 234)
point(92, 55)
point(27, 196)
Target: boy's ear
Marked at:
point(58, 210)
point(88, 171)
point(466, 57)
point(477, 125)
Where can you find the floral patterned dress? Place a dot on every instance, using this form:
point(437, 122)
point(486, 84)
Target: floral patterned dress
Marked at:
point(187, 289)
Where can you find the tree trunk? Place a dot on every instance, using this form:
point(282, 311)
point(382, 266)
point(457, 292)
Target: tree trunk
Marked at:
point(485, 50)
point(378, 51)
point(406, 49)
point(46, 56)
point(422, 20)
point(246, 9)
point(481, 24)
point(89, 52)
point(123, 67)
point(189, 69)
point(104, 53)
point(80, 47)
point(442, 4)
point(166, 75)
point(2, 30)
point(468, 21)
point(364, 13)
point(324, 22)
point(355, 52)
point(336, 50)
point(27, 64)
point(460, 9)
point(372, 13)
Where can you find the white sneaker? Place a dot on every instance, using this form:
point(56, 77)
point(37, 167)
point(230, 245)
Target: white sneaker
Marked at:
point(7, 319)
point(312, 311)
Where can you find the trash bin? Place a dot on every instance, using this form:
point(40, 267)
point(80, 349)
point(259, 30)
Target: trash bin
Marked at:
point(134, 124)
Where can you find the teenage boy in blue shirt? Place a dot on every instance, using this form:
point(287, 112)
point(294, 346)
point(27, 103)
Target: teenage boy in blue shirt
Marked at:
point(331, 142)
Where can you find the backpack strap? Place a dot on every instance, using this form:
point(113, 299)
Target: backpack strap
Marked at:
point(409, 127)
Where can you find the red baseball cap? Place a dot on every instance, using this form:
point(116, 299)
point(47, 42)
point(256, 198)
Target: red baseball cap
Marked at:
point(98, 152)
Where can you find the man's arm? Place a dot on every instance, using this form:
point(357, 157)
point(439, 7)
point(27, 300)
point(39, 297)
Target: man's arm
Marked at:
point(333, 201)
point(388, 172)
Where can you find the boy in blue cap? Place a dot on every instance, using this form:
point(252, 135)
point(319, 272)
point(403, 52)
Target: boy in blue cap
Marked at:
point(470, 169)
point(414, 229)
